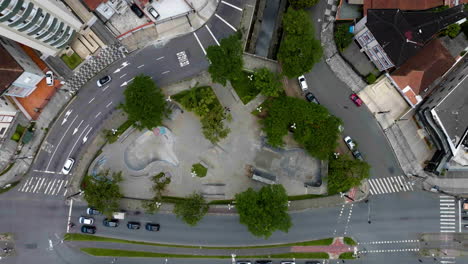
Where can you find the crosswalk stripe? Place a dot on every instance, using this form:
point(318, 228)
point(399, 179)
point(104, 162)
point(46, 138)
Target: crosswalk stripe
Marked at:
point(446, 196)
point(381, 185)
point(447, 220)
point(395, 184)
point(446, 216)
point(447, 231)
point(48, 184)
point(447, 227)
point(390, 188)
point(385, 185)
point(372, 187)
point(25, 184)
point(448, 223)
point(31, 184)
point(447, 200)
point(59, 187)
point(401, 184)
point(51, 185)
point(377, 186)
point(40, 186)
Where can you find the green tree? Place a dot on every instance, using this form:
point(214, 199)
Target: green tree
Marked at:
point(160, 181)
point(315, 129)
point(267, 82)
point(345, 173)
point(213, 126)
point(453, 30)
point(371, 78)
point(298, 4)
point(299, 50)
point(265, 211)
point(226, 59)
point(144, 103)
point(343, 37)
point(192, 209)
point(103, 192)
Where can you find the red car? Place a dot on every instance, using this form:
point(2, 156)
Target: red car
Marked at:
point(356, 100)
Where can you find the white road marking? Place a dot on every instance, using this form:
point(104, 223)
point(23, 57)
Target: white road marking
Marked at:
point(77, 128)
point(231, 5)
point(166, 72)
point(56, 147)
point(51, 186)
point(47, 187)
point(212, 35)
point(85, 138)
point(69, 215)
point(105, 88)
point(91, 100)
point(225, 22)
point(40, 186)
point(389, 184)
point(140, 66)
point(98, 114)
point(160, 58)
point(199, 43)
point(59, 187)
point(108, 104)
point(459, 216)
point(78, 139)
point(25, 184)
point(123, 75)
point(65, 193)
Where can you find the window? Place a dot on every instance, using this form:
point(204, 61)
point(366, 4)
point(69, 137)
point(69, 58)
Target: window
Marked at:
point(2, 131)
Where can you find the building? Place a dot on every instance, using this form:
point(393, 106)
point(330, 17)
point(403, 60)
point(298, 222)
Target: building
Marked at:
point(401, 4)
point(444, 114)
point(28, 74)
point(7, 116)
point(390, 37)
point(416, 75)
point(45, 25)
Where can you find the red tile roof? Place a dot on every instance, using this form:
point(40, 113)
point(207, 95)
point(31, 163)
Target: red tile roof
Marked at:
point(424, 68)
point(401, 4)
point(10, 70)
point(93, 4)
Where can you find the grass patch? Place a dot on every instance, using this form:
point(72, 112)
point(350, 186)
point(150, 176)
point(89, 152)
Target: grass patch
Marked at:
point(244, 87)
point(347, 255)
point(304, 197)
point(221, 202)
point(71, 61)
point(18, 133)
point(13, 184)
point(85, 237)
point(349, 241)
point(105, 252)
point(199, 169)
point(112, 137)
point(7, 168)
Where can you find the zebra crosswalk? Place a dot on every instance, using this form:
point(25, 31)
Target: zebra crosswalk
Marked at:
point(448, 214)
point(391, 184)
point(47, 186)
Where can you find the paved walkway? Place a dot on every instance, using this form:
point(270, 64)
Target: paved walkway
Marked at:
point(334, 250)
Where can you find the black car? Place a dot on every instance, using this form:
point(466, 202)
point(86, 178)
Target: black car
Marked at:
point(152, 227)
point(311, 98)
point(465, 218)
point(103, 81)
point(110, 222)
point(313, 262)
point(263, 262)
point(88, 229)
point(137, 10)
point(357, 154)
point(133, 225)
point(243, 262)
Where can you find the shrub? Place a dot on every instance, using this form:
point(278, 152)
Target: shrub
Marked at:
point(199, 169)
point(371, 78)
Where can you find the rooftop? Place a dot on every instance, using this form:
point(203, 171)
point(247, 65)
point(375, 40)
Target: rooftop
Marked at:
point(93, 4)
point(402, 34)
point(401, 4)
point(10, 70)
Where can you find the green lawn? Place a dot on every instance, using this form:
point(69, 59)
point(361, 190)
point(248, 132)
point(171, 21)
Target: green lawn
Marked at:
point(18, 132)
point(13, 184)
point(111, 138)
point(72, 61)
point(245, 88)
point(349, 241)
point(85, 237)
point(105, 252)
point(199, 169)
point(347, 255)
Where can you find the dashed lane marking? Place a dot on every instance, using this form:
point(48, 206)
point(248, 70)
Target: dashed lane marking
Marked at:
point(199, 42)
point(160, 58)
point(212, 35)
point(389, 242)
point(108, 104)
point(225, 22)
point(231, 5)
point(90, 101)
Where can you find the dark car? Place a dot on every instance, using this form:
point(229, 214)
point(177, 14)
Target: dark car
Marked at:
point(311, 98)
point(243, 262)
point(357, 154)
point(137, 10)
point(152, 227)
point(92, 211)
point(133, 225)
point(356, 100)
point(88, 229)
point(104, 80)
point(313, 262)
point(263, 262)
point(110, 222)
point(465, 218)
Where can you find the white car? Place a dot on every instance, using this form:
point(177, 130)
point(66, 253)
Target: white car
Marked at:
point(103, 81)
point(49, 78)
point(86, 220)
point(153, 12)
point(68, 166)
point(302, 82)
point(349, 142)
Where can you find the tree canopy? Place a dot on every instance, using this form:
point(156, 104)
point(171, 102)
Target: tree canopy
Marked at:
point(342, 36)
point(345, 173)
point(160, 181)
point(315, 129)
point(226, 59)
point(267, 82)
point(265, 211)
point(191, 209)
point(103, 192)
point(297, 4)
point(144, 103)
point(299, 50)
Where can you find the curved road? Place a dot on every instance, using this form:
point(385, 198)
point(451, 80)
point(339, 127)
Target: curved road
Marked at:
point(38, 217)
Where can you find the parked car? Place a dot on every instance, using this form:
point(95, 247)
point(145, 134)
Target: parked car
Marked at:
point(352, 146)
point(313, 262)
point(152, 227)
point(133, 225)
point(311, 98)
point(49, 78)
point(110, 222)
point(465, 212)
point(288, 262)
point(86, 220)
point(153, 12)
point(92, 211)
point(243, 262)
point(357, 155)
point(88, 229)
point(465, 218)
point(137, 10)
point(466, 226)
point(302, 82)
point(104, 80)
point(356, 100)
point(263, 262)
point(68, 166)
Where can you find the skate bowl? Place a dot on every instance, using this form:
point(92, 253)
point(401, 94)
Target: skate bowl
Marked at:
point(152, 146)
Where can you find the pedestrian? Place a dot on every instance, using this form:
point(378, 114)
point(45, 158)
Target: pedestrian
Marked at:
point(419, 260)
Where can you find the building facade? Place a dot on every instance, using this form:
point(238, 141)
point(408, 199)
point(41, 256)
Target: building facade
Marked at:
point(45, 25)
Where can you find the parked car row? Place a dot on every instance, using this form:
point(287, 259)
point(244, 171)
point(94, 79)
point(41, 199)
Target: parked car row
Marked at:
point(89, 228)
point(270, 262)
point(352, 146)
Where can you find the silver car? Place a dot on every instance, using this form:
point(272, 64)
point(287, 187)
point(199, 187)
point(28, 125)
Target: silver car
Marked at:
point(68, 166)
